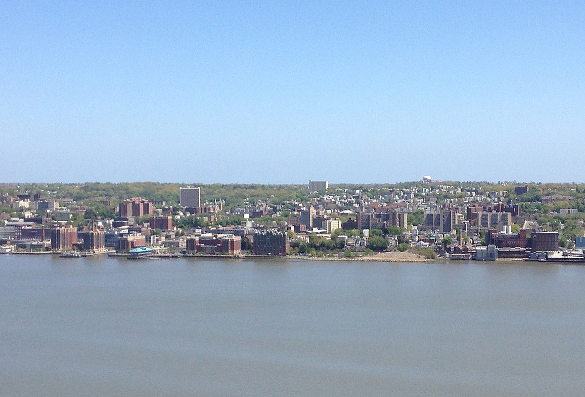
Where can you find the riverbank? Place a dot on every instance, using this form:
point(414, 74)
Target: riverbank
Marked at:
point(395, 256)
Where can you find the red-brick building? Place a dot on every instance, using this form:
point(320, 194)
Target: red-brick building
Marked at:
point(215, 244)
point(63, 238)
point(161, 222)
point(135, 207)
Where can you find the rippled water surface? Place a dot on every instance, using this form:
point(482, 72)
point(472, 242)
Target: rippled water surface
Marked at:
point(192, 327)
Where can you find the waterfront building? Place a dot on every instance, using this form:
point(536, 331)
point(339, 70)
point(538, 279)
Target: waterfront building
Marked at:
point(231, 245)
point(140, 252)
point(33, 233)
point(191, 245)
point(545, 241)
point(489, 253)
point(63, 238)
point(271, 242)
point(8, 233)
point(129, 242)
point(214, 244)
point(507, 240)
point(93, 240)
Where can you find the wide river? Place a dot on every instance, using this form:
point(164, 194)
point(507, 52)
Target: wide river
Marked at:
point(194, 327)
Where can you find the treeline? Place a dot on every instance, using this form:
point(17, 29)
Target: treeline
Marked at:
point(232, 194)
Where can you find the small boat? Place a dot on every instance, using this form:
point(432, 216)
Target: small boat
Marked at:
point(70, 254)
point(6, 249)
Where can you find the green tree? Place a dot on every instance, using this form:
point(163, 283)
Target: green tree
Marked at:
point(246, 244)
point(446, 242)
point(338, 232)
point(416, 217)
point(395, 231)
point(378, 243)
point(90, 214)
point(403, 247)
point(426, 252)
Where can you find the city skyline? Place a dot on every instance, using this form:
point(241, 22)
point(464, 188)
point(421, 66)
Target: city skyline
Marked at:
point(283, 93)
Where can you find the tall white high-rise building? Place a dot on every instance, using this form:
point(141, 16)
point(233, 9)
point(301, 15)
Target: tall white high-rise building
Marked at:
point(191, 197)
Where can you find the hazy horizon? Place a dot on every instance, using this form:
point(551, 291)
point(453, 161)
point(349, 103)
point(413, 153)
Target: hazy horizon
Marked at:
point(296, 183)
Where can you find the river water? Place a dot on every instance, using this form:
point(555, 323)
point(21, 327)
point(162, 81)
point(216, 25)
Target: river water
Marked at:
point(195, 327)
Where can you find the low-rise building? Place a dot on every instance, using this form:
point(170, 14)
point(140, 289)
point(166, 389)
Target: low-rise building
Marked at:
point(214, 244)
point(129, 242)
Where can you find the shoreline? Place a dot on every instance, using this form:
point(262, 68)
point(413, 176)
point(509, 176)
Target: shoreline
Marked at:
point(388, 257)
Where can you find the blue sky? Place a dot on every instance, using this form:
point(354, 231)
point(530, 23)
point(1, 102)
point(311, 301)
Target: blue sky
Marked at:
point(275, 92)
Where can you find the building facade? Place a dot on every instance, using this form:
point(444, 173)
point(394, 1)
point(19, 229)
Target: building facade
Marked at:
point(63, 238)
point(135, 207)
point(331, 225)
point(215, 244)
point(493, 219)
point(545, 241)
point(128, 242)
point(93, 240)
point(318, 186)
point(161, 222)
point(190, 197)
point(271, 243)
point(307, 217)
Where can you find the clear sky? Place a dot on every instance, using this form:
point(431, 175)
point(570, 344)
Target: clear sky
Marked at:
point(284, 92)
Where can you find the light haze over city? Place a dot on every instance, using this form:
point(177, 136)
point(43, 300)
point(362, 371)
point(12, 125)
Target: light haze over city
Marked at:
point(266, 92)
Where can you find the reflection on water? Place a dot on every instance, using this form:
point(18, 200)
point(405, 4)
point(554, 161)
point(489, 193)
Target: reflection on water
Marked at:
point(184, 327)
